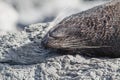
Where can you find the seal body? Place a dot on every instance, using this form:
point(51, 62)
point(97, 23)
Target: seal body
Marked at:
point(95, 31)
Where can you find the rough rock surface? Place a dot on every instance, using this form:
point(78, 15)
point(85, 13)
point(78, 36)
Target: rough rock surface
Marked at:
point(23, 58)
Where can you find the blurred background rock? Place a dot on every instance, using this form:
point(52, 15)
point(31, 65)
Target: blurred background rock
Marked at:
point(24, 12)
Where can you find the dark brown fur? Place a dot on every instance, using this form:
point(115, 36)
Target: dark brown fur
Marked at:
point(95, 31)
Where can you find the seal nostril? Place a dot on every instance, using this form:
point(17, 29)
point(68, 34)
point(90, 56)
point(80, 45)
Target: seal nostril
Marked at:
point(51, 35)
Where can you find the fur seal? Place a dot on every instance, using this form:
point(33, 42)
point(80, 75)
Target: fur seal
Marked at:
point(95, 31)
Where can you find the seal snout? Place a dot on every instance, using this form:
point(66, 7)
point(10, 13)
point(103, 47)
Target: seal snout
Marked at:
point(48, 40)
point(52, 40)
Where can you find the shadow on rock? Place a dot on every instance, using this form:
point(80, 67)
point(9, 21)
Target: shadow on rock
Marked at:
point(31, 53)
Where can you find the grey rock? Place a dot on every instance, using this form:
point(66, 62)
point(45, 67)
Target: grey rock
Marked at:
point(23, 58)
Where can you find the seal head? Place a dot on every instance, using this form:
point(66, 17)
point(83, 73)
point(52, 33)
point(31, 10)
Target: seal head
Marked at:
point(96, 30)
